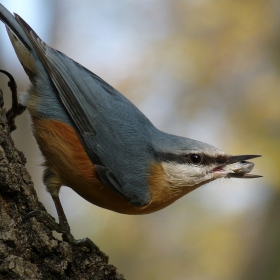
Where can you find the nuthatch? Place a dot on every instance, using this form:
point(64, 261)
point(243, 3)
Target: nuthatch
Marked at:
point(98, 143)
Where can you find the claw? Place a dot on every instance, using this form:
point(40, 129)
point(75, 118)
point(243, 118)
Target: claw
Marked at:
point(79, 242)
point(17, 108)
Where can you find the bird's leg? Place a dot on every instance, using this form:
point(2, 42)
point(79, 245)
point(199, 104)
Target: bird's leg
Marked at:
point(53, 185)
point(17, 108)
point(65, 228)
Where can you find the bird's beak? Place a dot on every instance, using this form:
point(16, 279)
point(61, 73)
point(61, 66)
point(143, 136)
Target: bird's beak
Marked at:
point(227, 171)
point(242, 176)
point(234, 159)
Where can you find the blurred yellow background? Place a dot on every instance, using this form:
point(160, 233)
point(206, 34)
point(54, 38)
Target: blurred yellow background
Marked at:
point(203, 69)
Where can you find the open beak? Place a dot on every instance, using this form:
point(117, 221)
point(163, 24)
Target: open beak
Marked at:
point(242, 176)
point(234, 159)
point(229, 170)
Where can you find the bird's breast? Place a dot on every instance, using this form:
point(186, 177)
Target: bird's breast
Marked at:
point(66, 157)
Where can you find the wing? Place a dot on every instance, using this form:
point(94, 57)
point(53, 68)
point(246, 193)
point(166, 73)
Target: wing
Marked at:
point(114, 133)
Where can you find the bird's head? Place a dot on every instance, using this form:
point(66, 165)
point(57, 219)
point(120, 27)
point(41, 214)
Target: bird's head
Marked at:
point(190, 163)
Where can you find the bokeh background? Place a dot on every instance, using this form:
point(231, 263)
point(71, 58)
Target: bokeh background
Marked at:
point(204, 69)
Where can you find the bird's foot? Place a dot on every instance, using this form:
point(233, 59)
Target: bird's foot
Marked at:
point(17, 108)
point(62, 227)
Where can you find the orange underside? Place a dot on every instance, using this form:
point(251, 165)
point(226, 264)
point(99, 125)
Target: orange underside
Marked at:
point(66, 157)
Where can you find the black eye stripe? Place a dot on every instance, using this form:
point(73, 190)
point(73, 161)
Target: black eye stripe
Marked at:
point(184, 158)
point(166, 157)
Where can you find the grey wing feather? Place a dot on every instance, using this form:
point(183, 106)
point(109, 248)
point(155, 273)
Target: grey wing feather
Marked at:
point(114, 133)
point(108, 178)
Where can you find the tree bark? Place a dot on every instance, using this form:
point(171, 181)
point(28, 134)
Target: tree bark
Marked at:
point(28, 249)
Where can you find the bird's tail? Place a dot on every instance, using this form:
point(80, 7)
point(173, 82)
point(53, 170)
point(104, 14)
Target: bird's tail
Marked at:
point(20, 41)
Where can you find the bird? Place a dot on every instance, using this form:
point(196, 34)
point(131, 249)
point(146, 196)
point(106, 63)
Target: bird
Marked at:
point(95, 141)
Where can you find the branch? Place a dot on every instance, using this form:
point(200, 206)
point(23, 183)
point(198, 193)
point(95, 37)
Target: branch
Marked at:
point(28, 249)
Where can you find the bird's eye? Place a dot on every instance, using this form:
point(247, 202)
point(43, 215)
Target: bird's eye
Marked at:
point(195, 159)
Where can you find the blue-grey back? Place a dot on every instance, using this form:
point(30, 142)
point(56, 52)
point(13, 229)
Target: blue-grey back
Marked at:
point(114, 132)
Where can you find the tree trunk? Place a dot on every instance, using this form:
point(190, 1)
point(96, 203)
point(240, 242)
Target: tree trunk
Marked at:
point(28, 249)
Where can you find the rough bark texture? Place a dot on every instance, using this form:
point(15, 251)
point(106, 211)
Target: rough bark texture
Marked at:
point(27, 248)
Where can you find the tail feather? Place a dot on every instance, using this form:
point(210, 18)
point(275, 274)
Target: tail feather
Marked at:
point(20, 40)
point(10, 21)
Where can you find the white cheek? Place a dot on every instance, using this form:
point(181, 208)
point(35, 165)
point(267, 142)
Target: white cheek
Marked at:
point(183, 174)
